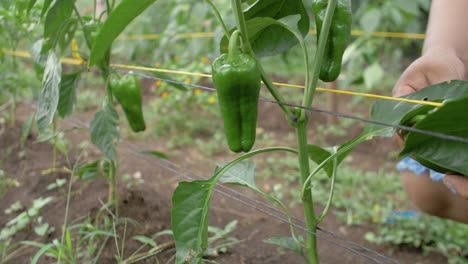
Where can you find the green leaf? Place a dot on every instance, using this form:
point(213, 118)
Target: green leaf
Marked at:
point(269, 37)
point(66, 33)
point(104, 131)
point(118, 19)
point(49, 96)
point(345, 149)
point(68, 88)
point(243, 173)
point(373, 75)
point(89, 171)
point(190, 206)
point(393, 112)
point(44, 249)
point(39, 59)
point(450, 119)
point(370, 20)
point(45, 7)
point(286, 242)
point(319, 155)
point(145, 240)
point(31, 5)
point(26, 130)
point(266, 34)
point(55, 22)
point(155, 153)
point(41, 230)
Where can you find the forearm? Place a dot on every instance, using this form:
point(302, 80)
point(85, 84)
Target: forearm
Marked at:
point(447, 28)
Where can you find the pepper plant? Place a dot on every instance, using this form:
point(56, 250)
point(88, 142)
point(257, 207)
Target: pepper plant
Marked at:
point(63, 23)
point(266, 28)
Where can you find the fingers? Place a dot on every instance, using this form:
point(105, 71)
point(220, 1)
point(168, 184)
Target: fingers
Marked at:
point(401, 90)
point(457, 184)
point(412, 80)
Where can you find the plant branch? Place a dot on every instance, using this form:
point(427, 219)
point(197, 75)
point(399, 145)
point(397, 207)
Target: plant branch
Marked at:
point(311, 87)
point(219, 18)
point(85, 31)
point(242, 26)
point(307, 200)
point(330, 197)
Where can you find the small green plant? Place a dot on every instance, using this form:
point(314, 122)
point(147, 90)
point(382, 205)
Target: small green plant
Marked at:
point(28, 218)
point(429, 233)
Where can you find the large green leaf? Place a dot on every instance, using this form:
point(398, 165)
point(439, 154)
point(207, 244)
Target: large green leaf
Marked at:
point(104, 131)
point(392, 112)
point(266, 20)
point(190, 206)
point(49, 96)
point(68, 88)
point(452, 156)
point(117, 21)
point(243, 173)
point(45, 7)
point(56, 22)
point(274, 39)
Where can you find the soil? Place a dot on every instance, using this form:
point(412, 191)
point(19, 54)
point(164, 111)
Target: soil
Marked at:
point(148, 204)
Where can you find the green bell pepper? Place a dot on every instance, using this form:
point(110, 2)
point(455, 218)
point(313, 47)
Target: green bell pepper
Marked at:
point(237, 80)
point(127, 91)
point(340, 32)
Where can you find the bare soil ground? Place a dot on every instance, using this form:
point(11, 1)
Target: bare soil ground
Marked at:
point(149, 204)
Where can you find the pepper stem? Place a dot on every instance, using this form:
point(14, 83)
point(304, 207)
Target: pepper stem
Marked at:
point(233, 51)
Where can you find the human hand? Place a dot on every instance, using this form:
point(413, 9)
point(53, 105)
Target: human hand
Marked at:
point(434, 67)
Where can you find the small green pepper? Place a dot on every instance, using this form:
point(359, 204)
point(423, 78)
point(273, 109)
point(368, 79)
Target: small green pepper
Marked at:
point(127, 91)
point(237, 80)
point(340, 32)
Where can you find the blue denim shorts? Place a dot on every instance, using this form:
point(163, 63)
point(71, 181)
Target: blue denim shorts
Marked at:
point(409, 164)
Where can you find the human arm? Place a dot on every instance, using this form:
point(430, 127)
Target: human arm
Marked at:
point(444, 57)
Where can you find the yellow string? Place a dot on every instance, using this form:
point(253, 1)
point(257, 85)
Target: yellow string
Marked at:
point(74, 61)
point(383, 34)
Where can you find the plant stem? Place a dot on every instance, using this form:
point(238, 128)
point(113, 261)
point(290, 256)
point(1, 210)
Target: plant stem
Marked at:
point(310, 87)
point(15, 91)
point(219, 18)
point(54, 150)
point(242, 26)
point(276, 95)
point(85, 31)
point(330, 197)
point(113, 197)
point(307, 201)
point(233, 50)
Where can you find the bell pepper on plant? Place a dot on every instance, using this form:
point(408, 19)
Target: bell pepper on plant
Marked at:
point(127, 91)
point(237, 80)
point(338, 37)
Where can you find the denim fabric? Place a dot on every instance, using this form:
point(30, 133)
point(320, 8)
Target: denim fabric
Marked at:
point(412, 165)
